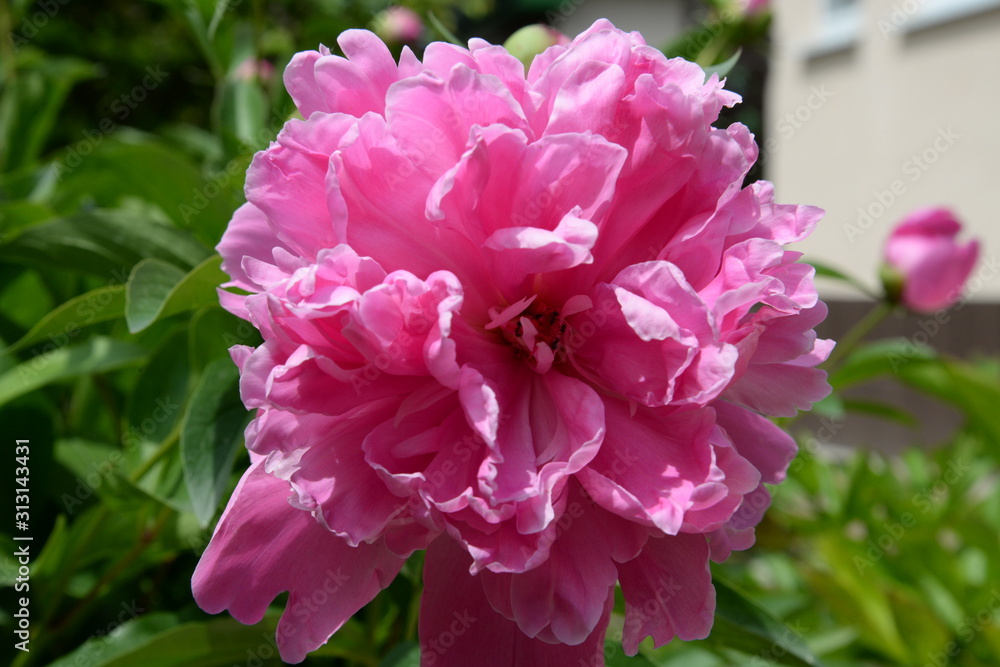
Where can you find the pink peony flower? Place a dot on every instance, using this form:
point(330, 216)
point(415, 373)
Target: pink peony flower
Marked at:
point(530, 323)
point(398, 25)
point(923, 254)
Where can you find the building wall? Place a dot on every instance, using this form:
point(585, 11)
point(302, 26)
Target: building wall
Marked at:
point(875, 114)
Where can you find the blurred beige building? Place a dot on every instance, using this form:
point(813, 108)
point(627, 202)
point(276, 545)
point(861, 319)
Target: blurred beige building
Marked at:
point(876, 107)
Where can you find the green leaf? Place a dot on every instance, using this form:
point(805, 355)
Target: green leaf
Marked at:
point(619, 659)
point(157, 289)
point(742, 624)
point(161, 640)
point(827, 271)
point(97, 355)
point(406, 654)
point(210, 436)
point(213, 331)
point(725, 67)
point(244, 110)
point(882, 410)
point(99, 469)
point(442, 30)
point(133, 166)
point(155, 402)
point(105, 243)
point(873, 360)
point(31, 102)
point(21, 213)
point(974, 392)
point(66, 321)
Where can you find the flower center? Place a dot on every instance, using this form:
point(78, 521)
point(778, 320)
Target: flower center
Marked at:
point(534, 330)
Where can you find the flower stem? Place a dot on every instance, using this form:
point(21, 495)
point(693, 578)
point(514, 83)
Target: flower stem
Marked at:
point(857, 334)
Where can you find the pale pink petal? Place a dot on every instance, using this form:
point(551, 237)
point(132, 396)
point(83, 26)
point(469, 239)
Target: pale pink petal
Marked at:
point(248, 235)
point(288, 184)
point(668, 592)
point(650, 465)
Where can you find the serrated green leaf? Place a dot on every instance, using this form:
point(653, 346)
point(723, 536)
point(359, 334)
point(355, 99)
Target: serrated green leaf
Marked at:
point(210, 436)
point(97, 355)
point(157, 289)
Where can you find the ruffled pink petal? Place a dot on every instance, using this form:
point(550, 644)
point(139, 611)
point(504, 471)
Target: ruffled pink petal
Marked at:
point(385, 191)
point(459, 627)
point(659, 344)
point(431, 117)
point(300, 81)
point(288, 184)
point(256, 554)
point(651, 464)
point(562, 600)
point(248, 235)
point(323, 460)
point(758, 439)
point(551, 427)
point(668, 592)
point(738, 532)
point(357, 84)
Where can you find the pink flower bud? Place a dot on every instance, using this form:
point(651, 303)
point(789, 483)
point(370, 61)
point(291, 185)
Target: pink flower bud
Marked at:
point(399, 25)
point(928, 261)
point(252, 68)
point(755, 6)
